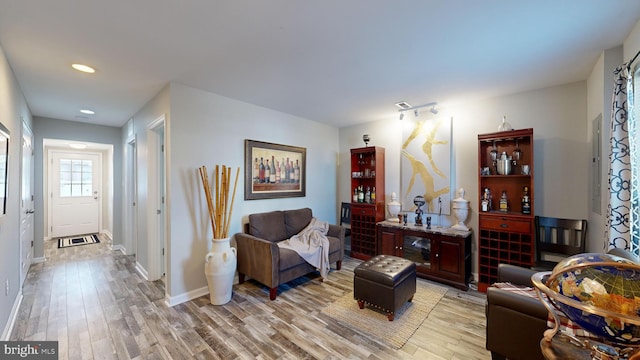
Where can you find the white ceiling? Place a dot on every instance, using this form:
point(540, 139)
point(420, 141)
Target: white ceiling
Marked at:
point(337, 62)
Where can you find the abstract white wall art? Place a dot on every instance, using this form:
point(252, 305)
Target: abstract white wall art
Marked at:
point(426, 165)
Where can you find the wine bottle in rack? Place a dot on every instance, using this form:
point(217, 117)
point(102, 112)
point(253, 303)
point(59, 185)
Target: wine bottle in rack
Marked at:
point(367, 196)
point(296, 172)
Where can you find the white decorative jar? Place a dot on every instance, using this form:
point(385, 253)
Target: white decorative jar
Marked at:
point(394, 208)
point(220, 270)
point(461, 210)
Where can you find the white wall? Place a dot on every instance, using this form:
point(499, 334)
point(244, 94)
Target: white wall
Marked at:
point(202, 128)
point(13, 111)
point(208, 129)
point(561, 148)
point(137, 127)
point(599, 95)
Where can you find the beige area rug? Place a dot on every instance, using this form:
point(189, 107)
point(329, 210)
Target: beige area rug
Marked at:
point(374, 322)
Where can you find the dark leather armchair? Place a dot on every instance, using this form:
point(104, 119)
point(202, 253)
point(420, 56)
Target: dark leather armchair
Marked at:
point(515, 322)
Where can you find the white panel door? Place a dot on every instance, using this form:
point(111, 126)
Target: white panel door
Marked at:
point(75, 193)
point(26, 204)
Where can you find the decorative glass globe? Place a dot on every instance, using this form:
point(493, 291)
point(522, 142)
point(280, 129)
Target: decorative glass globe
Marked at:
point(599, 292)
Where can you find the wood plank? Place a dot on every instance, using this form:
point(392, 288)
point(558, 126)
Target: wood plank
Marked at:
point(94, 303)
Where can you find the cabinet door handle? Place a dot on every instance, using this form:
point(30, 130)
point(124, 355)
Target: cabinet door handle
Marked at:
point(400, 247)
point(504, 225)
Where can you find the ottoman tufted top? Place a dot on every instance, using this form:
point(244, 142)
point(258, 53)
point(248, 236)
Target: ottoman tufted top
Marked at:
point(385, 269)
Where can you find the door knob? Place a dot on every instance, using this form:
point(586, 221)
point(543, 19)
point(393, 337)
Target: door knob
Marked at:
point(30, 211)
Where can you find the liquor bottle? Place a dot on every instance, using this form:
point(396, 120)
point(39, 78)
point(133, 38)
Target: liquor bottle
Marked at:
point(261, 171)
point(367, 196)
point(373, 195)
point(526, 202)
point(272, 173)
point(504, 202)
point(485, 201)
point(278, 173)
point(296, 172)
point(360, 194)
point(355, 195)
point(256, 172)
point(267, 172)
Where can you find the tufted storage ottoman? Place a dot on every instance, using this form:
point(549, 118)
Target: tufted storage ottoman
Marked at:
point(386, 282)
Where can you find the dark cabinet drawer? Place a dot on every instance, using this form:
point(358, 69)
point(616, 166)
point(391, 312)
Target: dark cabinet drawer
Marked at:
point(363, 210)
point(505, 224)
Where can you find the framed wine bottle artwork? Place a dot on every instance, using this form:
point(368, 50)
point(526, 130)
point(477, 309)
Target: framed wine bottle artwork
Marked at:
point(273, 170)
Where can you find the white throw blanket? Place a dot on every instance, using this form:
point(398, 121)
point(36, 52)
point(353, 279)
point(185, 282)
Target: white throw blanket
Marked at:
point(312, 245)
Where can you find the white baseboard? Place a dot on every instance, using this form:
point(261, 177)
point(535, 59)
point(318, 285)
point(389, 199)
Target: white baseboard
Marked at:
point(184, 297)
point(120, 248)
point(141, 270)
point(107, 233)
point(6, 333)
point(37, 260)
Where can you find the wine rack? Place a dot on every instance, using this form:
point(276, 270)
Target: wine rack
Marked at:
point(367, 171)
point(505, 236)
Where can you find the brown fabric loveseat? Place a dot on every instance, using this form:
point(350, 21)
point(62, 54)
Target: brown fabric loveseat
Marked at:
point(260, 258)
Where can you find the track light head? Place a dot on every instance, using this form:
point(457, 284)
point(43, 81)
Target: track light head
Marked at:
point(434, 110)
point(415, 112)
point(401, 115)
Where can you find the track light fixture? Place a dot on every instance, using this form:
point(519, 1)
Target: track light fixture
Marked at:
point(405, 106)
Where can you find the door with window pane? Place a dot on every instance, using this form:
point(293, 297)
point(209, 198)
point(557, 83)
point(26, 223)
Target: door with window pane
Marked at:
point(75, 193)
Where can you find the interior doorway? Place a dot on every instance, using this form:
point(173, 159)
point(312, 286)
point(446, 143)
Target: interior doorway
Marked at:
point(156, 216)
point(100, 189)
point(26, 203)
point(131, 194)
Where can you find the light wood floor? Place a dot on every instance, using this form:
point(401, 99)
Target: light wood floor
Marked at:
point(91, 300)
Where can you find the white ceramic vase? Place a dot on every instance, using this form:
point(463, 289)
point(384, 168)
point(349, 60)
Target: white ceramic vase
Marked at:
point(461, 210)
point(394, 208)
point(220, 270)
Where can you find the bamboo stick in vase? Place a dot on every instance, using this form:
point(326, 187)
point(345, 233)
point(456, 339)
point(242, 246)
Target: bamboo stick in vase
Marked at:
point(233, 198)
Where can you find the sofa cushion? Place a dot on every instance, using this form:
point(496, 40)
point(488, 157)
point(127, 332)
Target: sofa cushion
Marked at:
point(289, 259)
point(268, 226)
point(296, 220)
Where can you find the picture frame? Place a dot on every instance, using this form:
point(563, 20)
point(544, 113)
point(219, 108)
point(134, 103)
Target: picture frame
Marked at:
point(288, 162)
point(4, 168)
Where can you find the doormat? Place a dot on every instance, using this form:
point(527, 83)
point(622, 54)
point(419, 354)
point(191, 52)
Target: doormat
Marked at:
point(375, 323)
point(78, 240)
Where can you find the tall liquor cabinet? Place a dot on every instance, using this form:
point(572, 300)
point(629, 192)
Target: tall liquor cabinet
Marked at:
point(367, 204)
point(505, 206)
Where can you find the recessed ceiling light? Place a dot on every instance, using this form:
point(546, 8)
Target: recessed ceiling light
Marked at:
point(84, 68)
point(86, 111)
point(78, 145)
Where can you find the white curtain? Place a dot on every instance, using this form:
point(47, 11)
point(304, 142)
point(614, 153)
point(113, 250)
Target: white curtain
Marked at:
point(634, 133)
point(617, 229)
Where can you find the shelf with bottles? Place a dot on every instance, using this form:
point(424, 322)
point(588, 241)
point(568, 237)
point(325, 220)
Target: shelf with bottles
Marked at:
point(506, 153)
point(519, 204)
